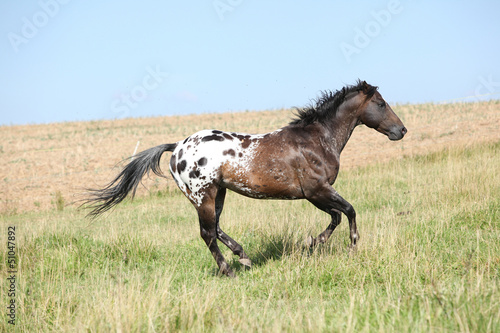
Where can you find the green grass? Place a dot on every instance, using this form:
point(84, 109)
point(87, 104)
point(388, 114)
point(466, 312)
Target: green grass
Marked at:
point(428, 259)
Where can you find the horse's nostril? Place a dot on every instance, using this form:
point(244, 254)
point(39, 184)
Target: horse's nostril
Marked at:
point(404, 130)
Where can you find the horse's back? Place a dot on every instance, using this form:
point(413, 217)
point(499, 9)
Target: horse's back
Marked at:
point(252, 165)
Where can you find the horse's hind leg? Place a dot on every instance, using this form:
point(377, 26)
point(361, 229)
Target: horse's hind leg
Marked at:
point(208, 231)
point(222, 236)
point(325, 235)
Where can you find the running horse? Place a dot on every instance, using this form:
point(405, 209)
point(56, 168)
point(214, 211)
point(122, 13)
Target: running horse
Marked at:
point(298, 161)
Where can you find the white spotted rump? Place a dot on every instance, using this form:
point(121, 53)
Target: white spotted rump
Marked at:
point(197, 161)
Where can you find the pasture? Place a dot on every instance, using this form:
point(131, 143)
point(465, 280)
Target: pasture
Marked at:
point(428, 212)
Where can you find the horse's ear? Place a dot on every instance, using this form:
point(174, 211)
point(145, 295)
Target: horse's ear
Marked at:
point(365, 86)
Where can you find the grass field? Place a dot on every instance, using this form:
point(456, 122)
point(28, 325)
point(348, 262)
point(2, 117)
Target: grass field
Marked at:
point(428, 260)
point(428, 211)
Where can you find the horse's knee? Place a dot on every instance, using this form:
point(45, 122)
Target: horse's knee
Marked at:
point(350, 212)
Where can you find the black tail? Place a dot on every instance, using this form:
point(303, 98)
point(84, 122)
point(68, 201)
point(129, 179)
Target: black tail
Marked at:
point(149, 160)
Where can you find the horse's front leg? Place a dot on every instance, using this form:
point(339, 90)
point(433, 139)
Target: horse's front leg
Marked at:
point(325, 235)
point(329, 201)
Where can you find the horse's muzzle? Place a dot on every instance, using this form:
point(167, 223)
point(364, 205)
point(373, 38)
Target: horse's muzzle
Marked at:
point(397, 133)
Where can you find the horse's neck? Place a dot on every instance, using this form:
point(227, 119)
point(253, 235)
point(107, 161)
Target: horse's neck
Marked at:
point(341, 128)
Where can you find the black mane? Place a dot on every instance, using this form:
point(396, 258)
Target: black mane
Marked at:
point(328, 103)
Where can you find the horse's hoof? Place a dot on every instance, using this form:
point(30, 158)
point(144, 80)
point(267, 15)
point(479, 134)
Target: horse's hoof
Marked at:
point(224, 269)
point(229, 273)
point(245, 262)
point(310, 241)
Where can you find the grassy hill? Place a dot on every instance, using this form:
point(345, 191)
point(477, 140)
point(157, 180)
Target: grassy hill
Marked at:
point(43, 167)
point(428, 215)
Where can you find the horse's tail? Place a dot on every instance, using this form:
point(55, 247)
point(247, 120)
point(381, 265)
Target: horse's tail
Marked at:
point(128, 179)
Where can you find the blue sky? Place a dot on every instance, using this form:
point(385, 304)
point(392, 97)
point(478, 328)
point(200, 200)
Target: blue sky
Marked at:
point(64, 60)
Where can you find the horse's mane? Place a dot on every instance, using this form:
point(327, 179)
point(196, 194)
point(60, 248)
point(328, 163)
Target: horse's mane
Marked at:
point(328, 103)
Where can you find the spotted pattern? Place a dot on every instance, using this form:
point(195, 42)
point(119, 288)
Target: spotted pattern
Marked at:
point(197, 161)
point(202, 161)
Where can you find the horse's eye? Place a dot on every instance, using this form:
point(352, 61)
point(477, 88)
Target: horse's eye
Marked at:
point(382, 104)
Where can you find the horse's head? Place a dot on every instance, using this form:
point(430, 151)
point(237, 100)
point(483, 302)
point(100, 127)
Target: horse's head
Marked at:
point(375, 113)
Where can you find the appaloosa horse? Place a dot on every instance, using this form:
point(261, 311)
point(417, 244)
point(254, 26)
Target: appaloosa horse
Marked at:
point(298, 161)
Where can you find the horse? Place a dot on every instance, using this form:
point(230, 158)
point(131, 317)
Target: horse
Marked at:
point(298, 161)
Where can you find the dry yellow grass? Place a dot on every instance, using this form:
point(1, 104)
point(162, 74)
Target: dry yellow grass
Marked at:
point(41, 165)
